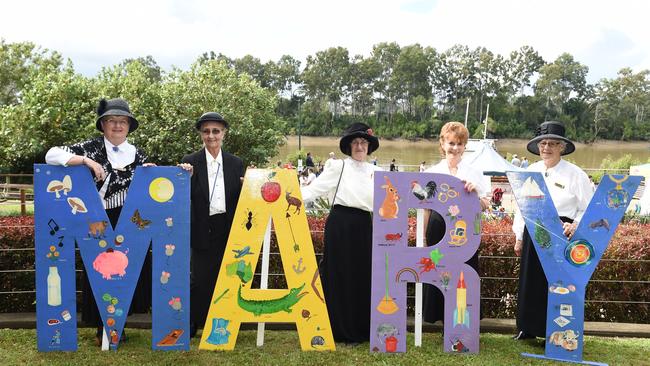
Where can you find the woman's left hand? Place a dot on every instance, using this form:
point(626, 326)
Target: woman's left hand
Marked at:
point(187, 167)
point(469, 186)
point(569, 229)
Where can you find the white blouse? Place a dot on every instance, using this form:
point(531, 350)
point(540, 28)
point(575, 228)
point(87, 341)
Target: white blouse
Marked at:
point(465, 172)
point(570, 189)
point(355, 190)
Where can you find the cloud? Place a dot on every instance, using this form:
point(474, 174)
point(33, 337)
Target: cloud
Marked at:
point(95, 34)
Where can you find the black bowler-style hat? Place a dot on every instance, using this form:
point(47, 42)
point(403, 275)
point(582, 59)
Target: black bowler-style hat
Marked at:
point(550, 130)
point(115, 107)
point(355, 130)
point(211, 117)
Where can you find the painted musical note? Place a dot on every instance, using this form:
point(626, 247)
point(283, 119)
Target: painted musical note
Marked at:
point(53, 226)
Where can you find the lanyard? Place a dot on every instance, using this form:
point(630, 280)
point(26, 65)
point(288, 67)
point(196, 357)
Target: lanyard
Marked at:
point(214, 184)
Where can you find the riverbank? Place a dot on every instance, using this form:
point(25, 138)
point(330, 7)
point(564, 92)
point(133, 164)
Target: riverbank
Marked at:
point(413, 152)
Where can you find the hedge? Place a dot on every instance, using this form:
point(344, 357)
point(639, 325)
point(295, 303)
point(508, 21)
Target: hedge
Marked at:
point(626, 259)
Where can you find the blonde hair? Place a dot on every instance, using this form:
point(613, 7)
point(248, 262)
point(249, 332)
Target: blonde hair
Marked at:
point(457, 130)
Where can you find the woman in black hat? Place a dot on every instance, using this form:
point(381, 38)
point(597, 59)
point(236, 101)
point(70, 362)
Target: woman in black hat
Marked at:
point(571, 192)
point(345, 268)
point(216, 184)
point(112, 161)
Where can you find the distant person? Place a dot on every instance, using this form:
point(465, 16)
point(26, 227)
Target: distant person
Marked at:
point(524, 162)
point(393, 167)
point(309, 162)
point(423, 166)
point(373, 161)
point(279, 164)
point(515, 160)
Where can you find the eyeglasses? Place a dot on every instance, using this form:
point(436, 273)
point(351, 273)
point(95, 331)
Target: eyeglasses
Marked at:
point(117, 122)
point(214, 131)
point(359, 141)
point(550, 144)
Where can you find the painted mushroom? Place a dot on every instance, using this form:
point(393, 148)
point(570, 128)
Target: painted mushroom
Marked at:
point(67, 184)
point(77, 205)
point(55, 186)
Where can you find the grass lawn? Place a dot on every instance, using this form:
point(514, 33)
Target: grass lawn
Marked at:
point(12, 208)
point(282, 348)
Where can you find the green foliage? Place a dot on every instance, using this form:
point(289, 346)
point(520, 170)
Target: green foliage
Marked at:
point(621, 164)
point(210, 86)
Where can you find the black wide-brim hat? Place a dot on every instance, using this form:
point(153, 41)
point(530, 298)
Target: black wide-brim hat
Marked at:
point(355, 130)
point(115, 107)
point(211, 117)
point(550, 130)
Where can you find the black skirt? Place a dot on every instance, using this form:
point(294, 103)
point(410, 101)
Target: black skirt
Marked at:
point(433, 302)
point(141, 302)
point(345, 273)
point(532, 296)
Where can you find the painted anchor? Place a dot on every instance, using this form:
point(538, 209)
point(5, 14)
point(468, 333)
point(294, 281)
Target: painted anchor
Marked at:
point(298, 267)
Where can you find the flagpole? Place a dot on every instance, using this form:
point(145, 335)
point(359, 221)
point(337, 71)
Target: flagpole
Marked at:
point(486, 121)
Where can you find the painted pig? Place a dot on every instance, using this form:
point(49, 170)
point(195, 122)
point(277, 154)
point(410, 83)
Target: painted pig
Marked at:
point(111, 262)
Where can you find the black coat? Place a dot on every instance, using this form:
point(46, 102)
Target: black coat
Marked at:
point(233, 170)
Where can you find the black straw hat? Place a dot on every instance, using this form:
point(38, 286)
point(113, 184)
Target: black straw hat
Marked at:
point(355, 130)
point(115, 107)
point(550, 130)
point(211, 117)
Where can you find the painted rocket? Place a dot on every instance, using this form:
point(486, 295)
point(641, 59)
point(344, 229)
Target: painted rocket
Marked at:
point(461, 314)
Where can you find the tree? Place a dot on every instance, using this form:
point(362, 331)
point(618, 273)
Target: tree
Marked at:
point(326, 76)
point(559, 81)
point(521, 66)
point(17, 62)
point(58, 108)
point(211, 86)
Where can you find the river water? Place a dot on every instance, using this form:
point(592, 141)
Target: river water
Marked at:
point(409, 154)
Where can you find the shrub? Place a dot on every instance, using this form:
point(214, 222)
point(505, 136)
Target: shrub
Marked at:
point(626, 259)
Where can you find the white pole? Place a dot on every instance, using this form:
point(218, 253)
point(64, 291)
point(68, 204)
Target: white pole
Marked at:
point(466, 112)
point(264, 283)
point(486, 121)
point(419, 242)
point(104, 340)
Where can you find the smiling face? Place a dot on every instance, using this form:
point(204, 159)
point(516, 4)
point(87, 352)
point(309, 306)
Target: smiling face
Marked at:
point(550, 151)
point(359, 149)
point(452, 147)
point(115, 128)
point(212, 134)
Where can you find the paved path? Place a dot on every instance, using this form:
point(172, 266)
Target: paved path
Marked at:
point(504, 326)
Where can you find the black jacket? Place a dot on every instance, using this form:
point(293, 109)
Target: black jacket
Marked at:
point(233, 170)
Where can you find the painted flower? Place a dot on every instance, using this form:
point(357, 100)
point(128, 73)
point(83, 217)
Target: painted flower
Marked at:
point(453, 211)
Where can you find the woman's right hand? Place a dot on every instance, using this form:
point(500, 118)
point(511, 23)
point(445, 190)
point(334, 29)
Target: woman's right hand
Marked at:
point(518, 245)
point(95, 168)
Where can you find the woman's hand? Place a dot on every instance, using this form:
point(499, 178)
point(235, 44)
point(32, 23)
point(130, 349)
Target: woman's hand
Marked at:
point(187, 167)
point(95, 168)
point(569, 229)
point(469, 186)
point(518, 245)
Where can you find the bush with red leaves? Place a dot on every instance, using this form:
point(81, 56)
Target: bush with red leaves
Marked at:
point(627, 259)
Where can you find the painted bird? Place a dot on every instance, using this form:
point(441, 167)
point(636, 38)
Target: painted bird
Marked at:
point(423, 193)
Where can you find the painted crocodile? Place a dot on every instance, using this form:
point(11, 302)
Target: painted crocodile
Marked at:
point(259, 307)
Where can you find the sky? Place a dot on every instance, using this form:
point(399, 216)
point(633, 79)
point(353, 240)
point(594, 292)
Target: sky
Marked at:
point(603, 35)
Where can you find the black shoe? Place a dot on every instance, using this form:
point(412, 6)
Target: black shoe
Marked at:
point(521, 335)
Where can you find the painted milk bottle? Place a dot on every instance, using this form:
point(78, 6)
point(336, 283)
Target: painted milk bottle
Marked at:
point(53, 287)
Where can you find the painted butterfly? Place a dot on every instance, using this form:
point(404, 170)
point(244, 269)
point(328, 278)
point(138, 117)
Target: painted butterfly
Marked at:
point(139, 221)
